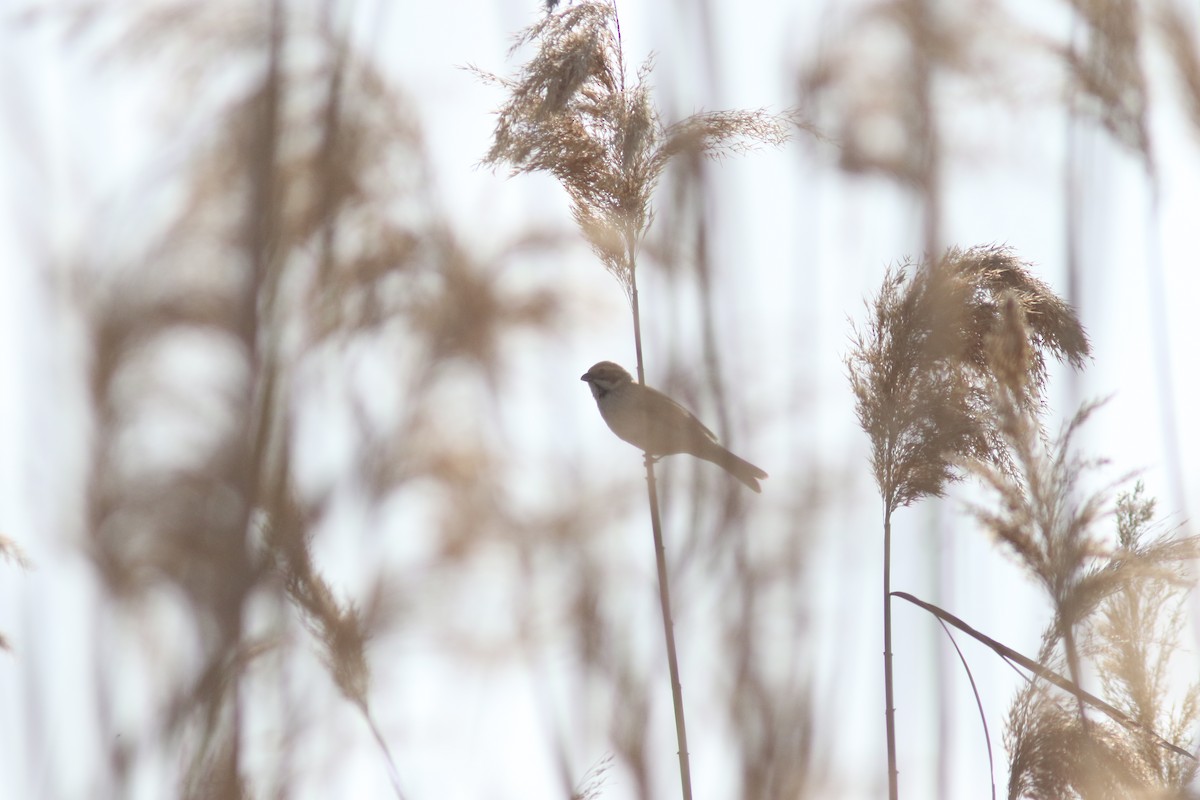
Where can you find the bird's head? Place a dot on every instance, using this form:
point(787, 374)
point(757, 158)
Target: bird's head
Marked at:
point(602, 378)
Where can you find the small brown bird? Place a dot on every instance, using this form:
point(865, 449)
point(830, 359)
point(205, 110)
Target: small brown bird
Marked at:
point(653, 422)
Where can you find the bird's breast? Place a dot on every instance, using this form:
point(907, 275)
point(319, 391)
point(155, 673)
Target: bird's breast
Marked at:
point(649, 421)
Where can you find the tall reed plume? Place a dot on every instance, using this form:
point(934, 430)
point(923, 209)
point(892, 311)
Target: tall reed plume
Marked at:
point(1114, 594)
point(949, 378)
point(574, 113)
point(288, 249)
point(1127, 605)
point(923, 381)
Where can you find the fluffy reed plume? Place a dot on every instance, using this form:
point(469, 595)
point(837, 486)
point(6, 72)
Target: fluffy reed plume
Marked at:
point(1041, 514)
point(1053, 755)
point(571, 113)
point(1055, 532)
point(1054, 528)
point(921, 372)
point(923, 382)
point(305, 230)
point(1107, 72)
point(914, 396)
point(1134, 639)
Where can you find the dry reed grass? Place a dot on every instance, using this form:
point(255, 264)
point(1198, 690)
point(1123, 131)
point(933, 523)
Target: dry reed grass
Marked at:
point(309, 232)
point(1041, 512)
point(573, 113)
point(924, 384)
point(1053, 755)
point(1107, 71)
point(949, 377)
point(921, 373)
point(306, 234)
point(1117, 595)
point(1137, 637)
point(290, 246)
point(1131, 641)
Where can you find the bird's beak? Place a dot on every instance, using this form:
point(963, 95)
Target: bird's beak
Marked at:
point(584, 376)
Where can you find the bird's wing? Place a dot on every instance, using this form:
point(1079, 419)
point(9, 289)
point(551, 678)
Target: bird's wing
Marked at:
point(658, 398)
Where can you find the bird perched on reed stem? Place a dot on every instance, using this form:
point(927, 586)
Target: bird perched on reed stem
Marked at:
point(653, 422)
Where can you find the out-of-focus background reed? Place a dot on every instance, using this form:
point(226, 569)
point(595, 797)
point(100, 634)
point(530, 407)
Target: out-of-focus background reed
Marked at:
point(300, 493)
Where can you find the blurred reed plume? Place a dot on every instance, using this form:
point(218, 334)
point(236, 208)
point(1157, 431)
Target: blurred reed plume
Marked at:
point(1119, 594)
point(1106, 70)
point(1132, 634)
point(324, 519)
point(1174, 25)
point(306, 232)
point(1041, 515)
point(1053, 755)
point(1137, 633)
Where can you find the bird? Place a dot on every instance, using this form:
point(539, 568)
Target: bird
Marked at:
point(653, 422)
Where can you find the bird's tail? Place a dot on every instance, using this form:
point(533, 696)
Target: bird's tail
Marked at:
point(739, 468)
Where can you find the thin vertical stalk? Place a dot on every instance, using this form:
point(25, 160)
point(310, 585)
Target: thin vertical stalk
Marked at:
point(637, 331)
point(1072, 189)
point(664, 597)
point(888, 693)
point(1073, 668)
point(929, 177)
point(942, 557)
point(660, 555)
point(261, 221)
point(929, 190)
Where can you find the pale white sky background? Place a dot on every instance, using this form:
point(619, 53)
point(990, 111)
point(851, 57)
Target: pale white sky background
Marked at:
point(82, 165)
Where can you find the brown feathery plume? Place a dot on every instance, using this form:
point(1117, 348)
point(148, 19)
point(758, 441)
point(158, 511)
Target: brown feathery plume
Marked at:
point(1043, 521)
point(571, 113)
point(1134, 639)
point(914, 396)
point(303, 228)
point(923, 382)
point(1051, 324)
point(1053, 755)
point(921, 370)
point(1054, 530)
point(1131, 639)
point(868, 89)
